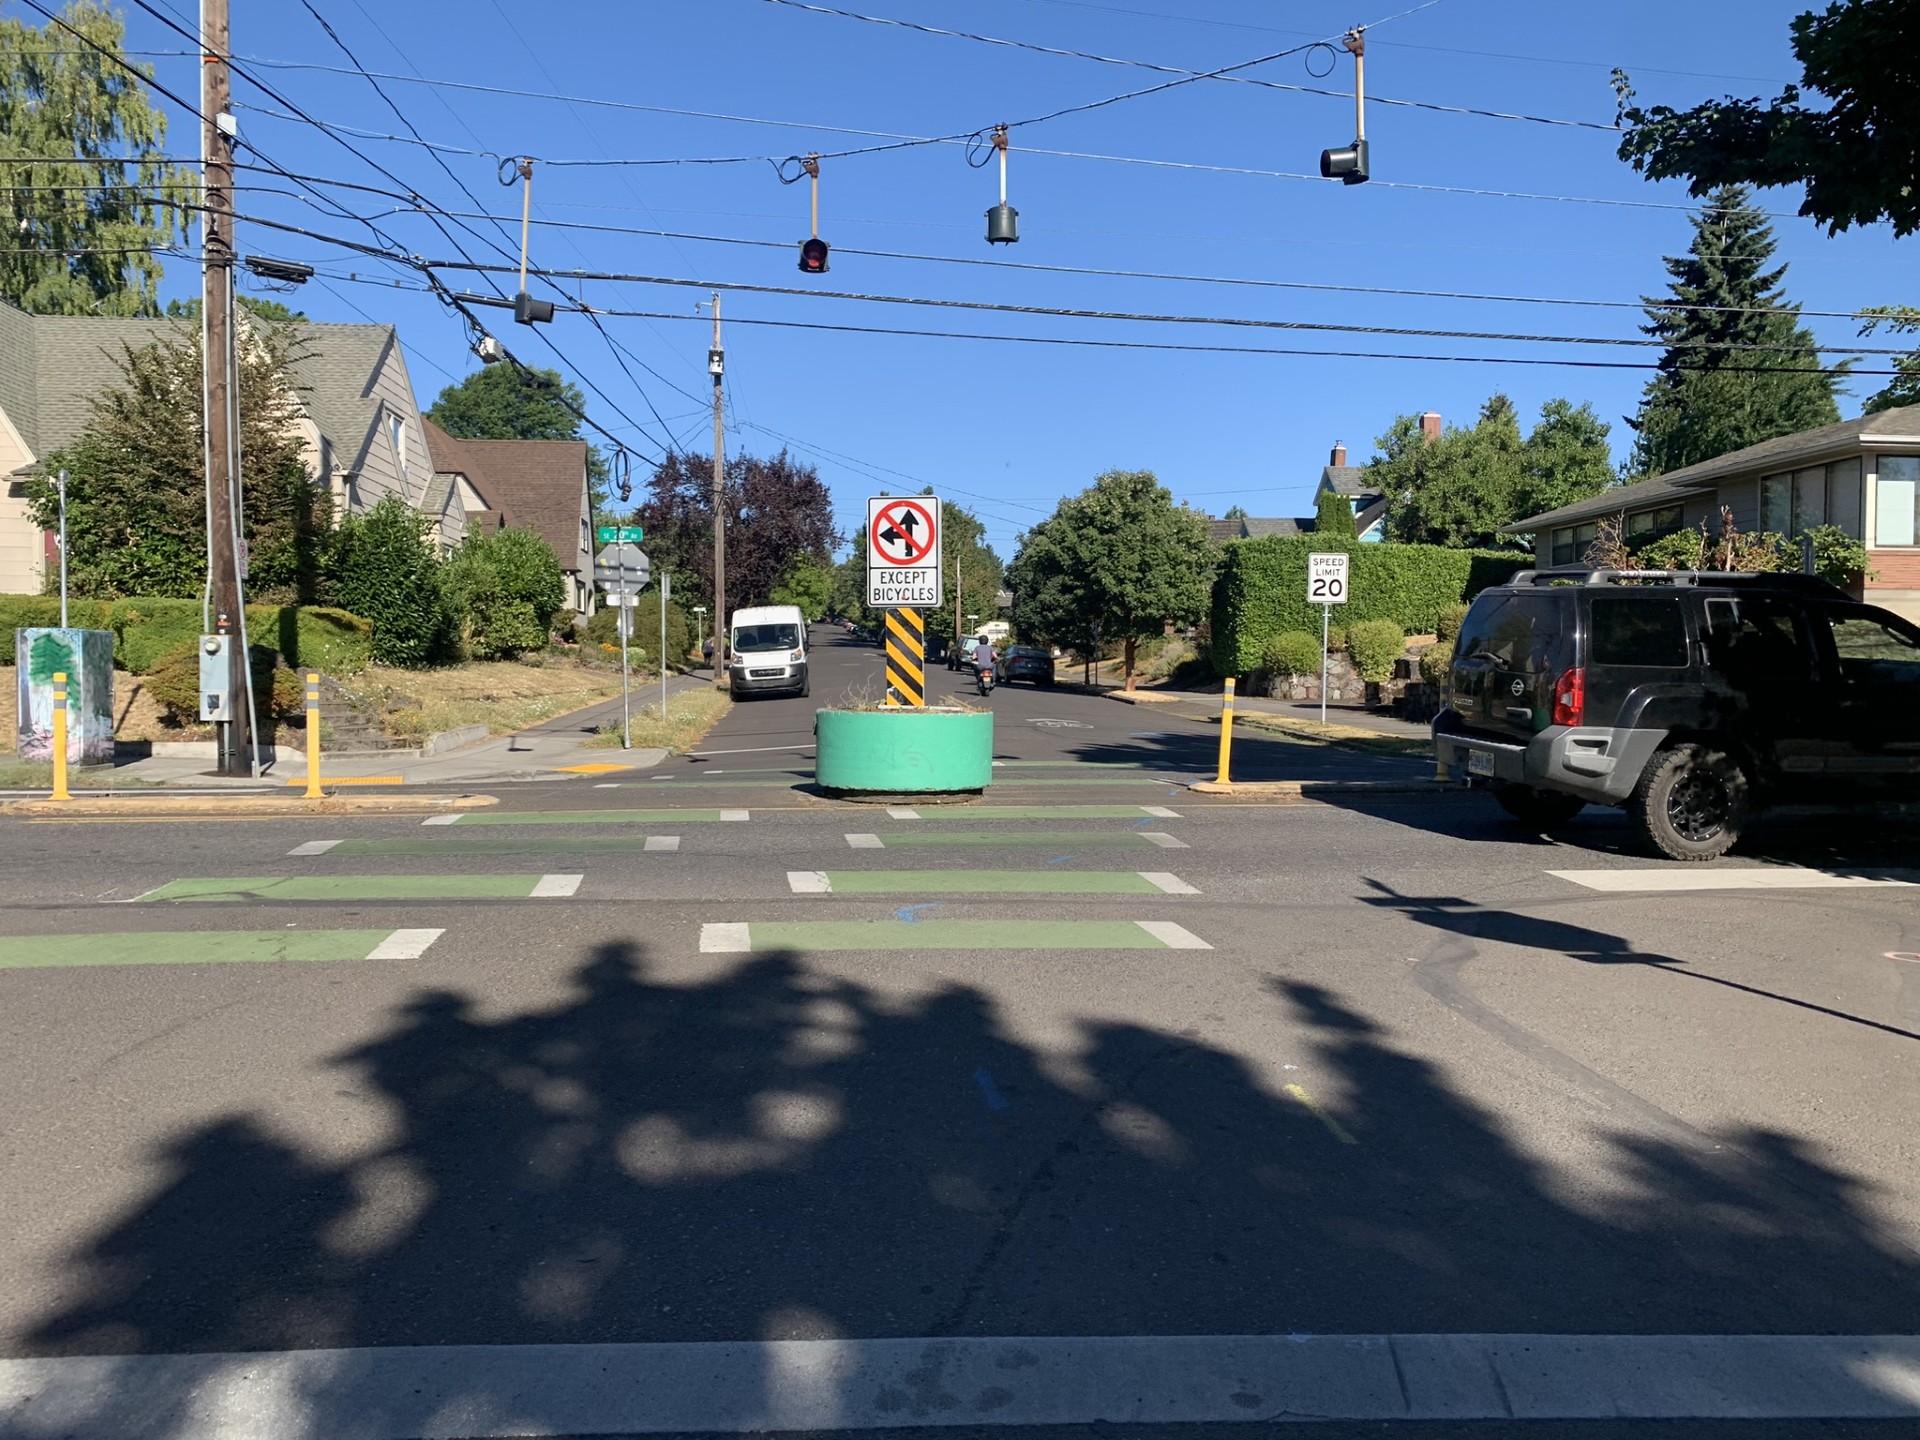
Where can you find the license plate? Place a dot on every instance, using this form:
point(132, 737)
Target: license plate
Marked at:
point(1479, 762)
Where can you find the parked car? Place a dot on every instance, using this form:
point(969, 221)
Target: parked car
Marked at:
point(1690, 700)
point(1026, 662)
point(960, 657)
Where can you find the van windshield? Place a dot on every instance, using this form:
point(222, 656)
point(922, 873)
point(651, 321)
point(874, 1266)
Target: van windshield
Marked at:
point(756, 639)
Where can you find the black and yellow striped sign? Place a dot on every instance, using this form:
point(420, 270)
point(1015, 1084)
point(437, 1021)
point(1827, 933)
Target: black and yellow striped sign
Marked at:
point(906, 658)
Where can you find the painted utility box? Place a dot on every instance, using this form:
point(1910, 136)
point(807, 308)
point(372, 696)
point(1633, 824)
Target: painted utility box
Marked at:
point(86, 658)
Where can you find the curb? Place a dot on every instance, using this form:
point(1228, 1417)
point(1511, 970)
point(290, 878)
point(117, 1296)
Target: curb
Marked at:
point(1144, 697)
point(1313, 789)
point(163, 807)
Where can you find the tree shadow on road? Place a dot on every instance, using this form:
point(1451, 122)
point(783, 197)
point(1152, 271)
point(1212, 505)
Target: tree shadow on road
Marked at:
point(765, 1149)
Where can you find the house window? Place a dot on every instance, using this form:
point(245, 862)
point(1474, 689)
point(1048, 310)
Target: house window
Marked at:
point(1650, 524)
point(1570, 545)
point(397, 428)
point(1776, 504)
point(1896, 500)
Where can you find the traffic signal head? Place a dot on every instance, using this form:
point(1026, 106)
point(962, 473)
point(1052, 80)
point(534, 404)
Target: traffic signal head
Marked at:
point(1348, 166)
point(529, 311)
point(813, 256)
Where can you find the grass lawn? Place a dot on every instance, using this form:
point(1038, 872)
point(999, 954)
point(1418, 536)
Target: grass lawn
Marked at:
point(690, 715)
point(503, 695)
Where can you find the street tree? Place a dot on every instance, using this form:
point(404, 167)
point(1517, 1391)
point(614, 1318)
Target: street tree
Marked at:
point(1738, 366)
point(778, 512)
point(1856, 157)
point(1566, 458)
point(503, 402)
point(83, 232)
point(807, 583)
point(1115, 562)
point(137, 491)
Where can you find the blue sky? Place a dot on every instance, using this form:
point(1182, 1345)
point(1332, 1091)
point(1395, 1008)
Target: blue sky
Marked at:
point(1008, 428)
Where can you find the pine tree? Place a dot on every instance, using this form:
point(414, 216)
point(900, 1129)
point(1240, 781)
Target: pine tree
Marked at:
point(1738, 367)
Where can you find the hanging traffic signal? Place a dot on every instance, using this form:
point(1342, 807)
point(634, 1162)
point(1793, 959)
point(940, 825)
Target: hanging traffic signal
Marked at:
point(1003, 221)
point(813, 256)
point(1347, 165)
point(529, 311)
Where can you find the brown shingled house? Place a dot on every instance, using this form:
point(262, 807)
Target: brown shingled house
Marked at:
point(538, 485)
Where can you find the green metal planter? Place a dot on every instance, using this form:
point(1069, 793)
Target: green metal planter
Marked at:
point(928, 751)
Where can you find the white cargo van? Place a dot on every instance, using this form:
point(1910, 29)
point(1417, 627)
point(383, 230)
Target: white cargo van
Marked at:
point(767, 651)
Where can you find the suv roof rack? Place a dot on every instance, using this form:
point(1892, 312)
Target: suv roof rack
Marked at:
point(1758, 579)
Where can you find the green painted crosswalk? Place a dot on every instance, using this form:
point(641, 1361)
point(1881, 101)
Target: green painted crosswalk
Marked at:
point(825, 935)
point(585, 817)
point(986, 882)
point(1030, 812)
point(451, 845)
point(211, 947)
point(901, 838)
point(366, 887)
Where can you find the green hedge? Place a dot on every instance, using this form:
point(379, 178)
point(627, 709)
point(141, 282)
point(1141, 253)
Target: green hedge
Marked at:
point(147, 631)
point(1261, 591)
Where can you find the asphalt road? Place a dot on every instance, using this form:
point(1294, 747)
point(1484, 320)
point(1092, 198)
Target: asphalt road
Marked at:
point(695, 1054)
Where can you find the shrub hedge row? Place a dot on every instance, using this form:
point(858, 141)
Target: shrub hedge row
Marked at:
point(1261, 591)
point(146, 632)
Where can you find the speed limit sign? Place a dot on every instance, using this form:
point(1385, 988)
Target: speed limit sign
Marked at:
point(1327, 579)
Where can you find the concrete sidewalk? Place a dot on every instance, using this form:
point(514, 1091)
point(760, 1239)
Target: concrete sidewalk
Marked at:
point(550, 750)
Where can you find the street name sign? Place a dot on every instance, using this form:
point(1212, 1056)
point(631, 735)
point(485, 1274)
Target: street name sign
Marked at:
point(1327, 579)
point(615, 534)
point(903, 551)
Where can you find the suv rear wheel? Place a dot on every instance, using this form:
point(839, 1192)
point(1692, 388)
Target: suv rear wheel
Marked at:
point(1538, 809)
point(1691, 802)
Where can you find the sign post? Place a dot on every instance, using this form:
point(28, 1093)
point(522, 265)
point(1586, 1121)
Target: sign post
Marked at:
point(903, 577)
point(622, 571)
point(1326, 587)
point(666, 594)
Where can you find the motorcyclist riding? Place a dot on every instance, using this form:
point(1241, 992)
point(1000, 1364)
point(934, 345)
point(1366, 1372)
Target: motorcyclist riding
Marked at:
point(984, 661)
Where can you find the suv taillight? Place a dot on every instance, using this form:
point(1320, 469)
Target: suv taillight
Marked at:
point(1570, 698)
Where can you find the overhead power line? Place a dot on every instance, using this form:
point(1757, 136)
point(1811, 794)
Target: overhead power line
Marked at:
point(1055, 50)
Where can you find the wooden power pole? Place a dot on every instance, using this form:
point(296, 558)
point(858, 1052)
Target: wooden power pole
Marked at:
point(216, 302)
point(716, 363)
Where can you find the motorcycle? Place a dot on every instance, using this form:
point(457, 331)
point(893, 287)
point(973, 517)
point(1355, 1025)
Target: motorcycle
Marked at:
point(986, 679)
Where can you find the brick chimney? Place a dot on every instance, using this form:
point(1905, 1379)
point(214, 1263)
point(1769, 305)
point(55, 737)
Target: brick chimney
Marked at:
point(1430, 425)
point(1339, 456)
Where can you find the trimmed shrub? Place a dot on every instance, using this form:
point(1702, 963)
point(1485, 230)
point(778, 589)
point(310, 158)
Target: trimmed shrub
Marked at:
point(506, 587)
point(1374, 645)
point(147, 631)
point(1447, 626)
point(1436, 662)
point(1293, 653)
point(1262, 591)
point(384, 570)
point(1336, 637)
point(646, 628)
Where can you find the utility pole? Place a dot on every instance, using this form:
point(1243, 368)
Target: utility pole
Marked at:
point(717, 366)
point(216, 299)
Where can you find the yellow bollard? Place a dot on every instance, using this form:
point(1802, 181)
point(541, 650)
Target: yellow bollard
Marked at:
point(313, 791)
point(1226, 735)
point(60, 791)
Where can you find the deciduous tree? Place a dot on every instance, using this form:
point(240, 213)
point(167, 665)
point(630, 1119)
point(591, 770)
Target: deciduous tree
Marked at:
point(501, 402)
point(777, 511)
point(1904, 387)
point(1114, 562)
point(82, 232)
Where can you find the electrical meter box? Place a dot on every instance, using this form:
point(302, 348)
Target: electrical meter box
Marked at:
point(216, 677)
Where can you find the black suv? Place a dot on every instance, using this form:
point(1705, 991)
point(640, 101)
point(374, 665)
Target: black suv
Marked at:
point(1689, 698)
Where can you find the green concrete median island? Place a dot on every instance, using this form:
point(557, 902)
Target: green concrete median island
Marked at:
point(930, 751)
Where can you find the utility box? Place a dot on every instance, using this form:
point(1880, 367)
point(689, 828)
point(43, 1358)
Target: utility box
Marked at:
point(216, 677)
point(85, 657)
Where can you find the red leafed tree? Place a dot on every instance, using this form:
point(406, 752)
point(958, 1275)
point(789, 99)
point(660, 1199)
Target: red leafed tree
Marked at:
point(778, 511)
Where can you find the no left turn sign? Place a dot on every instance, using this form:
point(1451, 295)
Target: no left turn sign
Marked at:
point(903, 533)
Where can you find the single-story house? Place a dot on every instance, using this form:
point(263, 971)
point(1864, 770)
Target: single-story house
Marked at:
point(1862, 475)
point(539, 485)
point(360, 425)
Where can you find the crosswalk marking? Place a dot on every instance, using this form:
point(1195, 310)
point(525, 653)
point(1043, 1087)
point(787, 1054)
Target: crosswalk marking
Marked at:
point(663, 843)
point(865, 842)
point(1734, 877)
point(1172, 884)
point(724, 939)
point(373, 889)
point(915, 936)
point(809, 882)
point(1174, 937)
point(313, 847)
point(733, 814)
point(555, 887)
point(1163, 840)
point(902, 812)
point(442, 820)
point(405, 945)
point(1161, 812)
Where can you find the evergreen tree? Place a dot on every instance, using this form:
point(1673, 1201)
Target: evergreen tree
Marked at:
point(82, 232)
point(1333, 520)
point(1738, 367)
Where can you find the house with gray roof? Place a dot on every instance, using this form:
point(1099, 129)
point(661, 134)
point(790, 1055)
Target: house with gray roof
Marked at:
point(1348, 481)
point(1862, 475)
point(360, 425)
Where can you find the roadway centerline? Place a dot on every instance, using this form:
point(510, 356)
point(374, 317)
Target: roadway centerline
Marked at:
point(802, 936)
point(211, 947)
point(364, 887)
point(986, 882)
